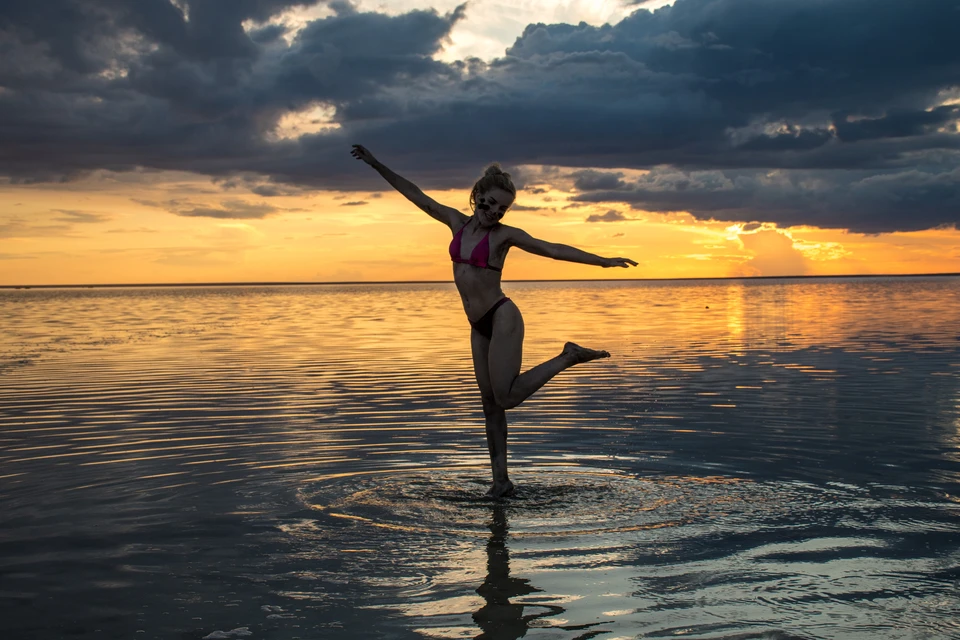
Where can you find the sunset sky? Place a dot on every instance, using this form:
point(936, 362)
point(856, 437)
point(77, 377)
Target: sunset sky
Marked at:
point(188, 141)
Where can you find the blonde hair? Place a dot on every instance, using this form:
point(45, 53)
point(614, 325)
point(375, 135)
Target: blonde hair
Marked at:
point(493, 178)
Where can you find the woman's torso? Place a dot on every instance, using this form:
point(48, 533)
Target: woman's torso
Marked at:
point(479, 287)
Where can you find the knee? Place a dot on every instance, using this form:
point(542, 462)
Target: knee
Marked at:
point(490, 405)
point(502, 399)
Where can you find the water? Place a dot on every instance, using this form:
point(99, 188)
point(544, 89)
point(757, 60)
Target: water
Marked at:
point(758, 459)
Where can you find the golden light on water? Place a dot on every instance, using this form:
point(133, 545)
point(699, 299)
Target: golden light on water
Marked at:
point(119, 435)
point(351, 470)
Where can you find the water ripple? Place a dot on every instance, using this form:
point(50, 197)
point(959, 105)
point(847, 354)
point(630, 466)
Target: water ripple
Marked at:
point(767, 459)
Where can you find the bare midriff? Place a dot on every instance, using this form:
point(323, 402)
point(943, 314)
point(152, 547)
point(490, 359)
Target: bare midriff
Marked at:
point(479, 288)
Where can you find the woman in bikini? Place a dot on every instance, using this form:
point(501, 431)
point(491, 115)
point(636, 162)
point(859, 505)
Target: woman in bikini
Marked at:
point(479, 247)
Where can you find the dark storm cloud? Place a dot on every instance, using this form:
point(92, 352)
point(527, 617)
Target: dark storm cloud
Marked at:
point(908, 200)
point(589, 180)
point(846, 101)
point(268, 190)
point(897, 124)
point(119, 85)
point(268, 34)
point(794, 139)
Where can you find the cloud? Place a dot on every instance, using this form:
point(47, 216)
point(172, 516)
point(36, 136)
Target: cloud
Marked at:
point(790, 138)
point(17, 227)
point(589, 180)
point(272, 190)
point(233, 209)
point(610, 216)
point(83, 217)
point(198, 93)
point(255, 184)
point(148, 203)
point(228, 209)
point(867, 202)
point(21, 227)
point(853, 106)
point(896, 124)
point(140, 230)
point(773, 254)
point(353, 203)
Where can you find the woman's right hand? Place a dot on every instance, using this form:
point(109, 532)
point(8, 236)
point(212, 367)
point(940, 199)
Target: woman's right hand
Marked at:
point(360, 152)
point(617, 262)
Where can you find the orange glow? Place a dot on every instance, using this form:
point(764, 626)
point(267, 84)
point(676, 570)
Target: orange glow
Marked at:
point(147, 227)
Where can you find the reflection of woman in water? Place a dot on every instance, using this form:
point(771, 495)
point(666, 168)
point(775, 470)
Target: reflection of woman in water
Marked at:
point(500, 619)
point(478, 250)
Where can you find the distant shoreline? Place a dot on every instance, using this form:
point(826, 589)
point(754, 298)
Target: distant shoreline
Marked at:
point(362, 282)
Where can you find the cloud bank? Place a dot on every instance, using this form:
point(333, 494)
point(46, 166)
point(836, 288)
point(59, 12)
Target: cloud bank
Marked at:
point(834, 113)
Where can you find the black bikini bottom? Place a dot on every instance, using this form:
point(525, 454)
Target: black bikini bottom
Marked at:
point(484, 325)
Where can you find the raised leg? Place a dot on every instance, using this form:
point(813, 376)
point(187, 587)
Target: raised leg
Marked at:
point(510, 387)
point(496, 363)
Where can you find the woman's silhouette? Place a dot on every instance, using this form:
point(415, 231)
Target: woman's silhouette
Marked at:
point(478, 250)
point(498, 618)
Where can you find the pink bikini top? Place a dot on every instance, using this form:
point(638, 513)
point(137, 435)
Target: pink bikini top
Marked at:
point(480, 255)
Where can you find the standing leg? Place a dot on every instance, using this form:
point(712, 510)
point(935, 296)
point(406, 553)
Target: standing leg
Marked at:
point(510, 387)
point(495, 417)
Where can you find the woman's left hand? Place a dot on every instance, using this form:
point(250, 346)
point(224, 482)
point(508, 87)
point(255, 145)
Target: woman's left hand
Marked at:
point(617, 262)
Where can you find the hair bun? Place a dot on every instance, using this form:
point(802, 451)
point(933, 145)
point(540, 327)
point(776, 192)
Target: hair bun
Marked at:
point(495, 170)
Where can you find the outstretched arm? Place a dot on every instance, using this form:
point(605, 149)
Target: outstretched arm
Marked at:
point(447, 215)
point(522, 239)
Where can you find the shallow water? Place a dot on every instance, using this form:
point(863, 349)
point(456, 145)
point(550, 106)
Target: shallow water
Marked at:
point(758, 459)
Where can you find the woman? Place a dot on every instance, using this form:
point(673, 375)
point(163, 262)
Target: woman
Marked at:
point(478, 250)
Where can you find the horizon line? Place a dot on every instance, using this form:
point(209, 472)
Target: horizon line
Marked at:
point(294, 283)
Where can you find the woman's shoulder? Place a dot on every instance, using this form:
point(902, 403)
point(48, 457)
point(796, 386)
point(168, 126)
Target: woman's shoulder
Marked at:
point(507, 232)
point(458, 221)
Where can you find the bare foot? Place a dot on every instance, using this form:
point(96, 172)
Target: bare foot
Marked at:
point(582, 354)
point(501, 490)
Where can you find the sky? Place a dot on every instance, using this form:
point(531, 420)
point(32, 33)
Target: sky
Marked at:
point(164, 141)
